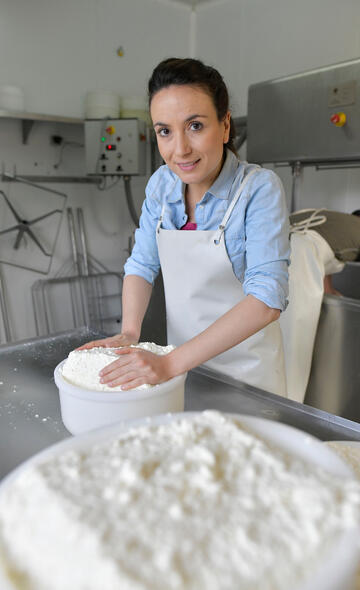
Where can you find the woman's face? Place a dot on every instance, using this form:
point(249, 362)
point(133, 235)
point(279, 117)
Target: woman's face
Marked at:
point(189, 135)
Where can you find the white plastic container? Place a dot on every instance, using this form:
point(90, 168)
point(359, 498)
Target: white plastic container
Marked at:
point(83, 410)
point(12, 98)
point(135, 107)
point(102, 103)
point(335, 569)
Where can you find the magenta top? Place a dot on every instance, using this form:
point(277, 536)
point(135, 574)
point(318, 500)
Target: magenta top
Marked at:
point(189, 226)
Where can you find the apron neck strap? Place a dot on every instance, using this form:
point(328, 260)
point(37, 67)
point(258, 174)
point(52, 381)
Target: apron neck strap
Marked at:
point(158, 226)
point(229, 210)
point(235, 199)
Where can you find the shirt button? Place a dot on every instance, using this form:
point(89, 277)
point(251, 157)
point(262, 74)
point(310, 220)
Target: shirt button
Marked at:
point(202, 206)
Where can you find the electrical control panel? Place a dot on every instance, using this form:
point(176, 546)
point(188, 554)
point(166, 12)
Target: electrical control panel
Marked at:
point(115, 147)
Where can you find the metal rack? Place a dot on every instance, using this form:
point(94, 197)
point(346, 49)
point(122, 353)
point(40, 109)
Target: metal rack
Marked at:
point(89, 294)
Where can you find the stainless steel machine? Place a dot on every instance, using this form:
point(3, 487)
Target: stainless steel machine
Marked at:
point(308, 118)
point(334, 384)
point(313, 119)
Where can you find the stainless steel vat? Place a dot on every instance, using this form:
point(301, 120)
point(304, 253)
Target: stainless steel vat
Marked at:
point(334, 384)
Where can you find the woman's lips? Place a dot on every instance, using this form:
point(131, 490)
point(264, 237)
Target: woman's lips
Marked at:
point(187, 167)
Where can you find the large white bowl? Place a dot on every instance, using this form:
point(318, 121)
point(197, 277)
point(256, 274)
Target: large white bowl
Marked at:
point(336, 569)
point(83, 410)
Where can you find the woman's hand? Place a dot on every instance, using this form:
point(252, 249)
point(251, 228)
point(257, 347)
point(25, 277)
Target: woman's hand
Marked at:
point(123, 339)
point(136, 367)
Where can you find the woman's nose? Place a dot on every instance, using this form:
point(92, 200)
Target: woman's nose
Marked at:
point(182, 145)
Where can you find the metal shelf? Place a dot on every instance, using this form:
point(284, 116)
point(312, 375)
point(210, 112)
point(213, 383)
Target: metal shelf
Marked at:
point(32, 178)
point(28, 119)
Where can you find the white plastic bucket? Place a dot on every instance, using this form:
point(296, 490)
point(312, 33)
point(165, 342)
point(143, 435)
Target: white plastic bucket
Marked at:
point(135, 107)
point(102, 103)
point(83, 410)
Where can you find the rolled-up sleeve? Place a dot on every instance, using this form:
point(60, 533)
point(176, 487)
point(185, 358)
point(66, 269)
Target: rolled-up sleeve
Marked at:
point(267, 242)
point(144, 260)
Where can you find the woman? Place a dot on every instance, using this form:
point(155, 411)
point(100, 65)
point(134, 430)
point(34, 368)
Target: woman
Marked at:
point(226, 280)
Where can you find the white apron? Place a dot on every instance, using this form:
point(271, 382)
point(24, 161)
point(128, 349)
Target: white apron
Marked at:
point(311, 259)
point(200, 286)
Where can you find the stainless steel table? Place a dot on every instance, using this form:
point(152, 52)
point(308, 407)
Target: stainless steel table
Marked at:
point(30, 417)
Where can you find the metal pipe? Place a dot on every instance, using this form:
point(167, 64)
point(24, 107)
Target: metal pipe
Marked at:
point(71, 223)
point(340, 165)
point(81, 226)
point(130, 201)
point(45, 307)
point(31, 179)
point(4, 312)
point(296, 172)
point(35, 309)
point(24, 180)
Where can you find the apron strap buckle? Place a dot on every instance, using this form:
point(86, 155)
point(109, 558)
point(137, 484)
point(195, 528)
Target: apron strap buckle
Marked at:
point(220, 233)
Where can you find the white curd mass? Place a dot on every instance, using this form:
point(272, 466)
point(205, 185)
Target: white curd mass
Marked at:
point(82, 367)
point(349, 453)
point(195, 504)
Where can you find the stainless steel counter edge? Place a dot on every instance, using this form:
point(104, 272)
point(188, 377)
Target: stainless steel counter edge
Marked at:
point(30, 418)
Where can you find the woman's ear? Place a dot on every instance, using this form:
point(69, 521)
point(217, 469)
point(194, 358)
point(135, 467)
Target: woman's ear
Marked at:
point(226, 122)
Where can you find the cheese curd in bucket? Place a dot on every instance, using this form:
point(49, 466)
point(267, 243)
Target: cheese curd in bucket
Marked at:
point(87, 404)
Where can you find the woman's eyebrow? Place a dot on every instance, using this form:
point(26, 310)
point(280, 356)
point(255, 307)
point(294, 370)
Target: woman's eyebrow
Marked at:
point(195, 116)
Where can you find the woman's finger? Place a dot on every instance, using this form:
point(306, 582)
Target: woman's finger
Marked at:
point(141, 365)
point(114, 369)
point(89, 345)
point(127, 350)
point(103, 343)
point(126, 378)
point(136, 382)
point(112, 342)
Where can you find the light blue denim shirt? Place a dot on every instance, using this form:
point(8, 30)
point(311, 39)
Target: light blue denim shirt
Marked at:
point(256, 235)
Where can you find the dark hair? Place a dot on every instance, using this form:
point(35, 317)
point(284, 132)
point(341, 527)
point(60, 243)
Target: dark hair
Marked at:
point(356, 212)
point(188, 71)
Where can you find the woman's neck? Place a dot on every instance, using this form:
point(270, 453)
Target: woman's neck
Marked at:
point(192, 197)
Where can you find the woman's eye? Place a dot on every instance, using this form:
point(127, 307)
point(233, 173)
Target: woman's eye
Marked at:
point(164, 132)
point(196, 126)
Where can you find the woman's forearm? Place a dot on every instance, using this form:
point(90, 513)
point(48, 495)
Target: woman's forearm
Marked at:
point(242, 321)
point(135, 367)
point(135, 300)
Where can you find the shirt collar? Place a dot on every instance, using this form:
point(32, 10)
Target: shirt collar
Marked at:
point(222, 185)
point(220, 188)
point(177, 191)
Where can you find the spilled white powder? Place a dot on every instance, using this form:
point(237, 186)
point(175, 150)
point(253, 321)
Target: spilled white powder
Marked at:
point(195, 504)
point(82, 367)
